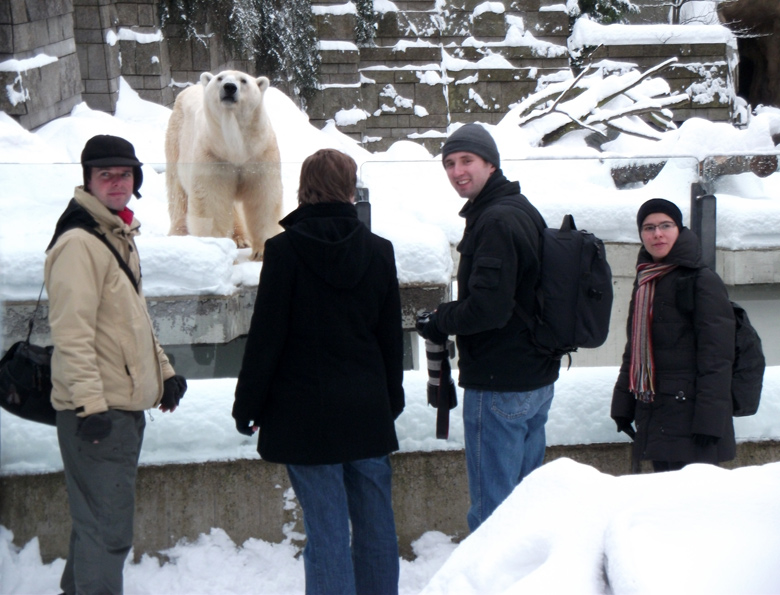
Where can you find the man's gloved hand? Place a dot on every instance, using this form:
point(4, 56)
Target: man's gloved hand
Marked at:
point(94, 428)
point(624, 425)
point(173, 391)
point(705, 440)
point(245, 427)
point(426, 327)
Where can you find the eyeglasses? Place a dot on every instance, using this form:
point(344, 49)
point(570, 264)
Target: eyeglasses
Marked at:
point(665, 226)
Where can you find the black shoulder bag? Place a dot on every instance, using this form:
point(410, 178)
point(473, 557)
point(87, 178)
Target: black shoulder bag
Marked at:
point(25, 379)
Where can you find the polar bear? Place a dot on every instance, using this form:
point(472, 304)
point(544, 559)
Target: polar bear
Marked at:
point(223, 167)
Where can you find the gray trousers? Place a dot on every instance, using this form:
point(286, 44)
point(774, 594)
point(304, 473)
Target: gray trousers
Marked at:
point(101, 491)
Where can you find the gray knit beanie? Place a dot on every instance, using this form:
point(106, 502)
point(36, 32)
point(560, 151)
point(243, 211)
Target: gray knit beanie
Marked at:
point(472, 138)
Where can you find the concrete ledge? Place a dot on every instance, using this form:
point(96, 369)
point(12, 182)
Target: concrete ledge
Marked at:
point(204, 336)
point(749, 267)
point(247, 498)
point(201, 319)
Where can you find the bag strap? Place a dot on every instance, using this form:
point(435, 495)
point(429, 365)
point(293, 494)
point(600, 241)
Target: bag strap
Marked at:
point(122, 264)
point(528, 319)
point(32, 318)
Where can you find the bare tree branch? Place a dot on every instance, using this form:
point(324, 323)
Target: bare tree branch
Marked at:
point(595, 118)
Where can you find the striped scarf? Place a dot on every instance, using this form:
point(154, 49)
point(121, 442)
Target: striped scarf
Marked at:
point(642, 371)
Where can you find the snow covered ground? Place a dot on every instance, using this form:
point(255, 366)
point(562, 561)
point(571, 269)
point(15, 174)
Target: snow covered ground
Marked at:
point(567, 528)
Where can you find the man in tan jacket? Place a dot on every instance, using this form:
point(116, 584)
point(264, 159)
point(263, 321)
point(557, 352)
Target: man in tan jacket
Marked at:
point(107, 365)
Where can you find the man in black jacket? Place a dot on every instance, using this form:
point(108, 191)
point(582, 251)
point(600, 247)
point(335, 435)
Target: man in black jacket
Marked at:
point(508, 384)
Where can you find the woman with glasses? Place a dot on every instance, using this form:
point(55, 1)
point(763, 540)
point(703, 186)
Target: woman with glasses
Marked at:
point(675, 379)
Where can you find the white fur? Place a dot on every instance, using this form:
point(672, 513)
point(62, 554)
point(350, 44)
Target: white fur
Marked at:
point(224, 171)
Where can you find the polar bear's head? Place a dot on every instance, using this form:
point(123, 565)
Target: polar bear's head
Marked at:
point(232, 89)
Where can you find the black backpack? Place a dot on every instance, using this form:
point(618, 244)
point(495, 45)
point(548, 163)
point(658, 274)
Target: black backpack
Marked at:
point(574, 292)
point(747, 373)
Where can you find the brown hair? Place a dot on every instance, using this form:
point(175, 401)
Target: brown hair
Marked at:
point(327, 176)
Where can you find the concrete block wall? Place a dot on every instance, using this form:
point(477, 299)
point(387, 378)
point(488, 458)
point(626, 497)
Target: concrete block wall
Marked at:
point(93, 25)
point(422, 74)
point(403, 84)
point(29, 28)
point(87, 55)
point(418, 77)
point(159, 68)
point(701, 69)
point(145, 63)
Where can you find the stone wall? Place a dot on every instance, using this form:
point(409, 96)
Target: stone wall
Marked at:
point(702, 71)
point(93, 29)
point(86, 46)
point(35, 89)
point(431, 67)
point(424, 70)
point(428, 67)
point(145, 61)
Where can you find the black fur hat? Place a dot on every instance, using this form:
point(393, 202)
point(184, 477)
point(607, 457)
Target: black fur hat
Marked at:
point(105, 150)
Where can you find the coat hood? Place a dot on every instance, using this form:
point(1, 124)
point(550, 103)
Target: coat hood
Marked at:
point(331, 241)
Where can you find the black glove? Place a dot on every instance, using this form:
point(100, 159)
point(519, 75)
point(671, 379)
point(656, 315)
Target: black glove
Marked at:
point(95, 427)
point(705, 440)
point(624, 425)
point(173, 391)
point(426, 326)
point(245, 427)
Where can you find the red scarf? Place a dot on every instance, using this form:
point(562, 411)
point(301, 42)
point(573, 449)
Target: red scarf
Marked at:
point(126, 215)
point(642, 370)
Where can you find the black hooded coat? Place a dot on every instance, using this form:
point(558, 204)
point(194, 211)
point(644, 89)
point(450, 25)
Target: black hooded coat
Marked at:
point(498, 270)
point(693, 348)
point(322, 373)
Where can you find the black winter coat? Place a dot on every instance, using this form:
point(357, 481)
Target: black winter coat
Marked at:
point(322, 373)
point(693, 347)
point(499, 267)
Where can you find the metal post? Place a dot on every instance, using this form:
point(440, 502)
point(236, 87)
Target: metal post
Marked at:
point(703, 222)
point(363, 206)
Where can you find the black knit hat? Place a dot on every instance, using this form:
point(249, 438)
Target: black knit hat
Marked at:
point(659, 205)
point(105, 150)
point(472, 138)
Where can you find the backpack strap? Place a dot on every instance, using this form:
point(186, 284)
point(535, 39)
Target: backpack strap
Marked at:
point(121, 261)
point(527, 318)
point(32, 318)
point(76, 216)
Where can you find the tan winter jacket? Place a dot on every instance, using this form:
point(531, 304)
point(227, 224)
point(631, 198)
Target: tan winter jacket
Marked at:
point(105, 352)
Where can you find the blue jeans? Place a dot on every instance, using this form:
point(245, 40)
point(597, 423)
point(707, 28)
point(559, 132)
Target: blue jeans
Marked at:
point(505, 441)
point(331, 497)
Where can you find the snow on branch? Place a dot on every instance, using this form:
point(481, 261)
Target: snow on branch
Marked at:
point(630, 102)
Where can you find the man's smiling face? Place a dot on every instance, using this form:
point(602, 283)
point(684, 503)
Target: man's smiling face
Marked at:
point(468, 173)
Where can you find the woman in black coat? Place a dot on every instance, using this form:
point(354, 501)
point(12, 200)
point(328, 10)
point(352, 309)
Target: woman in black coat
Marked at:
point(322, 378)
point(675, 380)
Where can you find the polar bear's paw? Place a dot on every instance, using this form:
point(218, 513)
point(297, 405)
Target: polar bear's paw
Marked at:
point(241, 241)
point(257, 256)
